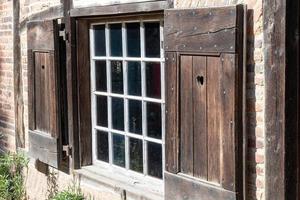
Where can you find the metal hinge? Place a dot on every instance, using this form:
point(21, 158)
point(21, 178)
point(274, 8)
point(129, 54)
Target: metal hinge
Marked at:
point(64, 35)
point(68, 150)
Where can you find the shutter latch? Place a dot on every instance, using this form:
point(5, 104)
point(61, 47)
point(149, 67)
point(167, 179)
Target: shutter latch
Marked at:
point(68, 150)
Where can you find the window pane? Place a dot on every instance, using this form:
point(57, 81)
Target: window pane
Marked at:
point(102, 146)
point(152, 39)
point(133, 40)
point(153, 80)
point(154, 159)
point(154, 120)
point(134, 78)
point(136, 154)
point(119, 150)
point(99, 34)
point(117, 113)
point(100, 69)
point(116, 77)
point(115, 39)
point(101, 111)
point(135, 116)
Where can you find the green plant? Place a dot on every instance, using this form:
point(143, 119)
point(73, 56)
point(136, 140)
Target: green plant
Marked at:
point(72, 193)
point(12, 183)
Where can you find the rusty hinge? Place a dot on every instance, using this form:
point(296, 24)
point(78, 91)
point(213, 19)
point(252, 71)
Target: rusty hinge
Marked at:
point(67, 149)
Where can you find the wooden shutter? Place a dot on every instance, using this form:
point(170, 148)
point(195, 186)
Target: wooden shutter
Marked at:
point(204, 103)
point(43, 86)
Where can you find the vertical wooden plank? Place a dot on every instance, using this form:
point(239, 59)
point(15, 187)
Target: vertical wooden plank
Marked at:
point(52, 95)
point(213, 118)
point(37, 90)
point(186, 113)
point(172, 134)
point(84, 93)
point(227, 121)
point(31, 90)
point(199, 110)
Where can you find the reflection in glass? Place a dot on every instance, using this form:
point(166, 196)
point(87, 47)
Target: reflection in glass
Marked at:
point(154, 159)
point(101, 110)
point(100, 69)
point(99, 34)
point(117, 113)
point(154, 120)
point(102, 146)
point(133, 40)
point(116, 77)
point(119, 150)
point(134, 78)
point(135, 116)
point(115, 39)
point(153, 88)
point(152, 39)
point(136, 154)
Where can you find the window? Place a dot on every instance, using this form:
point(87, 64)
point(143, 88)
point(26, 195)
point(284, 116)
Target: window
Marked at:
point(127, 81)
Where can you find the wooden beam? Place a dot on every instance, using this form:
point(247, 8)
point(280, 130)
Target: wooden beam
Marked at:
point(275, 71)
point(120, 9)
point(292, 100)
point(72, 90)
point(18, 85)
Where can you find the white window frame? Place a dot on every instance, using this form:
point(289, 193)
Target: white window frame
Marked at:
point(110, 166)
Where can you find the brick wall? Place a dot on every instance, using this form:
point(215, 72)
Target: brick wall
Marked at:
point(255, 87)
point(6, 76)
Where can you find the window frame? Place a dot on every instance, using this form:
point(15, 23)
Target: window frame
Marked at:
point(143, 177)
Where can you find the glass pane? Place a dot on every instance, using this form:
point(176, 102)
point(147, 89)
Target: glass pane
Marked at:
point(100, 69)
point(154, 159)
point(153, 80)
point(136, 154)
point(117, 113)
point(119, 150)
point(152, 39)
point(135, 116)
point(101, 111)
point(133, 40)
point(115, 39)
point(102, 146)
point(99, 34)
point(154, 120)
point(116, 77)
point(134, 78)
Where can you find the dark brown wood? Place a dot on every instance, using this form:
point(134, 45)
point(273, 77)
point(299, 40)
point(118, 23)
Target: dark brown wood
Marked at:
point(186, 115)
point(201, 30)
point(200, 118)
point(43, 93)
point(292, 137)
point(228, 121)
point(179, 187)
point(172, 133)
point(18, 84)
point(213, 118)
point(84, 93)
point(275, 71)
point(72, 89)
point(120, 9)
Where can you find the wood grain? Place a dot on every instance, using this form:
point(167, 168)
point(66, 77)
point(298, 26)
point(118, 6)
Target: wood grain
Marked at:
point(186, 115)
point(199, 119)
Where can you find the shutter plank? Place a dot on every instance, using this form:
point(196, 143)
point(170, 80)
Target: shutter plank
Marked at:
point(213, 118)
point(186, 129)
point(227, 121)
point(199, 110)
point(172, 134)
